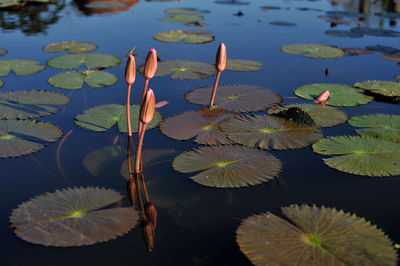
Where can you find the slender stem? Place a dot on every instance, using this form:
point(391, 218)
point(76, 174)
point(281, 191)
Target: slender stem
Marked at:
point(139, 196)
point(146, 83)
point(129, 154)
point(128, 111)
point(144, 188)
point(139, 150)
point(214, 90)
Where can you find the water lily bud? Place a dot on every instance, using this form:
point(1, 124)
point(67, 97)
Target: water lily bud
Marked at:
point(151, 213)
point(150, 67)
point(132, 192)
point(220, 61)
point(148, 235)
point(147, 108)
point(130, 70)
point(322, 98)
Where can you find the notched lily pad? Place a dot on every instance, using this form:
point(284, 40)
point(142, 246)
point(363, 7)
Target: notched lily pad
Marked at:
point(76, 78)
point(382, 87)
point(228, 166)
point(20, 67)
point(313, 50)
point(242, 65)
point(73, 47)
point(235, 97)
point(180, 35)
point(90, 60)
point(73, 217)
point(3, 51)
point(313, 236)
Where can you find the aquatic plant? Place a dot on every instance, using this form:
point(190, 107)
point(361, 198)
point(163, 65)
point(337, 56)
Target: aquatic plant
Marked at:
point(322, 98)
point(73, 47)
point(130, 75)
point(220, 63)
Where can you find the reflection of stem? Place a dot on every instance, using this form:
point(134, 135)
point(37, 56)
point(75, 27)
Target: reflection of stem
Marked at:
point(140, 196)
point(139, 149)
point(214, 90)
point(128, 111)
point(129, 154)
point(144, 188)
point(58, 156)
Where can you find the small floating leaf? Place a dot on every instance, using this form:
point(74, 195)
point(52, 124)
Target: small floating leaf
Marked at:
point(186, 11)
point(352, 14)
point(356, 51)
point(9, 3)
point(1, 83)
point(343, 33)
point(383, 49)
point(75, 79)
point(283, 23)
point(105, 5)
point(313, 236)
point(376, 32)
point(20, 67)
point(73, 217)
point(391, 57)
point(182, 18)
point(231, 2)
point(3, 51)
point(228, 166)
point(179, 35)
point(91, 60)
point(236, 97)
point(243, 65)
point(382, 87)
point(73, 47)
point(313, 50)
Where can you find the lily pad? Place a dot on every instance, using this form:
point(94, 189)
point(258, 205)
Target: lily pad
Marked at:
point(242, 65)
point(20, 67)
point(180, 35)
point(184, 69)
point(73, 217)
point(356, 51)
point(91, 61)
point(340, 95)
point(202, 123)
point(382, 87)
point(103, 117)
point(343, 33)
point(21, 137)
point(73, 47)
point(76, 78)
point(236, 97)
point(184, 18)
point(228, 166)
point(25, 104)
point(376, 32)
point(313, 236)
point(361, 155)
point(383, 49)
point(186, 11)
point(339, 13)
point(1, 83)
point(324, 116)
point(266, 8)
point(283, 23)
point(382, 126)
point(2, 51)
point(391, 57)
point(313, 50)
point(232, 2)
point(9, 3)
point(265, 131)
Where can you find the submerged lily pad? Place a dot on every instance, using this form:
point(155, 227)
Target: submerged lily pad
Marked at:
point(184, 15)
point(324, 116)
point(3, 51)
point(340, 95)
point(242, 65)
point(91, 61)
point(103, 117)
point(235, 97)
point(265, 131)
point(361, 155)
point(30, 103)
point(73, 217)
point(382, 87)
point(283, 23)
point(228, 166)
point(21, 137)
point(382, 126)
point(356, 51)
point(202, 123)
point(20, 67)
point(184, 69)
point(75, 79)
point(376, 32)
point(313, 236)
point(383, 49)
point(343, 33)
point(313, 50)
point(180, 35)
point(73, 47)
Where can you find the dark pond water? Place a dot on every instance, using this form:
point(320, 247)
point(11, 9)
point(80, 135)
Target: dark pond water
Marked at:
point(196, 224)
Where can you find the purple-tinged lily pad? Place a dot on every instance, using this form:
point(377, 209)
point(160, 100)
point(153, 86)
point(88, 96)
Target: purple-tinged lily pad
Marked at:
point(376, 32)
point(73, 47)
point(356, 51)
point(391, 57)
point(383, 49)
point(343, 34)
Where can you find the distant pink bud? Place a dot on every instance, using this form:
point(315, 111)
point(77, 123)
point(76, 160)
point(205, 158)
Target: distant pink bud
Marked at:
point(130, 70)
point(220, 61)
point(322, 98)
point(150, 67)
point(161, 104)
point(148, 106)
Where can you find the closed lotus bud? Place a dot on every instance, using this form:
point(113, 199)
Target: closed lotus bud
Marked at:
point(149, 235)
point(130, 70)
point(151, 213)
point(220, 62)
point(132, 192)
point(147, 107)
point(322, 98)
point(150, 67)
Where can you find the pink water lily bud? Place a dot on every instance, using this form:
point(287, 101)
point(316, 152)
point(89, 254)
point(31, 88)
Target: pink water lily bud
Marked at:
point(150, 67)
point(161, 104)
point(220, 61)
point(147, 108)
point(148, 235)
point(151, 213)
point(130, 70)
point(322, 98)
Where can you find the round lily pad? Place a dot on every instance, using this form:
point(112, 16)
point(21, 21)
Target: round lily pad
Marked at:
point(340, 95)
point(73, 47)
point(202, 123)
point(382, 87)
point(184, 69)
point(30, 103)
point(236, 97)
point(265, 131)
point(73, 217)
point(361, 155)
point(76, 78)
point(228, 166)
point(378, 126)
point(103, 117)
point(376, 32)
point(91, 61)
point(313, 236)
point(182, 18)
point(243, 65)
point(324, 116)
point(22, 137)
point(383, 49)
point(179, 35)
point(313, 50)
point(343, 33)
point(20, 67)
point(3, 51)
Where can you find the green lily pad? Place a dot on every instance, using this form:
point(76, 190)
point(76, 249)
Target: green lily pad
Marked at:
point(25, 104)
point(1, 83)
point(340, 95)
point(313, 236)
point(186, 11)
point(202, 124)
point(103, 117)
point(22, 137)
point(313, 50)
point(179, 35)
point(182, 18)
point(2, 51)
point(382, 126)
point(20, 67)
point(73, 47)
point(74, 79)
point(361, 155)
point(382, 87)
point(91, 61)
point(184, 69)
point(73, 217)
point(242, 65)
point(235, 97)
point(9, 3)
point(324, 116)
point(228, 166)
point(266, 131)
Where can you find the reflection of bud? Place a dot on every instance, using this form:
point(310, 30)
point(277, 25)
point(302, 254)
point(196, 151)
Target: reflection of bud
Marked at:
point(220, 61)
point(150, 67)
point(151, 213)
point(130, 70)
point(132, 192)
point(148, 235)
point(147, 107)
